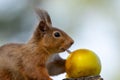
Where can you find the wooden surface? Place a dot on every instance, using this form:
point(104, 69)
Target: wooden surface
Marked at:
point(86, 78)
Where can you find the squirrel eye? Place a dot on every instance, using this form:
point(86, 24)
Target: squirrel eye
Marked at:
point(57, 34)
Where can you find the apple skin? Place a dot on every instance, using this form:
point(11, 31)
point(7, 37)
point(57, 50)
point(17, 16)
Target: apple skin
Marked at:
point(82, 63)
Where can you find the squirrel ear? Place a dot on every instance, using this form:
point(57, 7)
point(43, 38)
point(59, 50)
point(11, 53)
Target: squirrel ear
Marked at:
point(43, 15)
point(42, 26)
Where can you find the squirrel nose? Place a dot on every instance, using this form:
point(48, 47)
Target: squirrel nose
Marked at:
point(71, 42)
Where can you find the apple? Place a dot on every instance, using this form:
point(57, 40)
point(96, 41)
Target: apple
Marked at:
point(82, 63)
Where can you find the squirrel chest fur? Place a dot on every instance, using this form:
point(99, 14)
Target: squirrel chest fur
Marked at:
point(38, 58)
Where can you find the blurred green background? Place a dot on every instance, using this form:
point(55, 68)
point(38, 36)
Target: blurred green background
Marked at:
point(93, 24)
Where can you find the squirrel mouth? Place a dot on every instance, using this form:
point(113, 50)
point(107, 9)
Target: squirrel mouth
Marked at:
point(64, 49)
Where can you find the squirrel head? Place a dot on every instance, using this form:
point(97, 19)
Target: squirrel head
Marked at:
point(48, 37)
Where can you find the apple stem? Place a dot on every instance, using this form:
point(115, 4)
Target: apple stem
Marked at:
point(68, 51)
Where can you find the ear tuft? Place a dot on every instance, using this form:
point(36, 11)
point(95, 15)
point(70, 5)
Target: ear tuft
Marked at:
point(43, 15)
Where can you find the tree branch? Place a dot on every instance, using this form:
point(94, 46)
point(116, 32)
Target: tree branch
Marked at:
point(86, 78)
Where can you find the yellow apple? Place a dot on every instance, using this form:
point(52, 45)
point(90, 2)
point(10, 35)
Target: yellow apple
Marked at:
point(82, 63)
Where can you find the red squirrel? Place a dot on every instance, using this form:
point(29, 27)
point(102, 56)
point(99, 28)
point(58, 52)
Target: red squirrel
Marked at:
point(38, 58)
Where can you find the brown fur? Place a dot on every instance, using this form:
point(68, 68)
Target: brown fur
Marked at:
point(34, 59)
